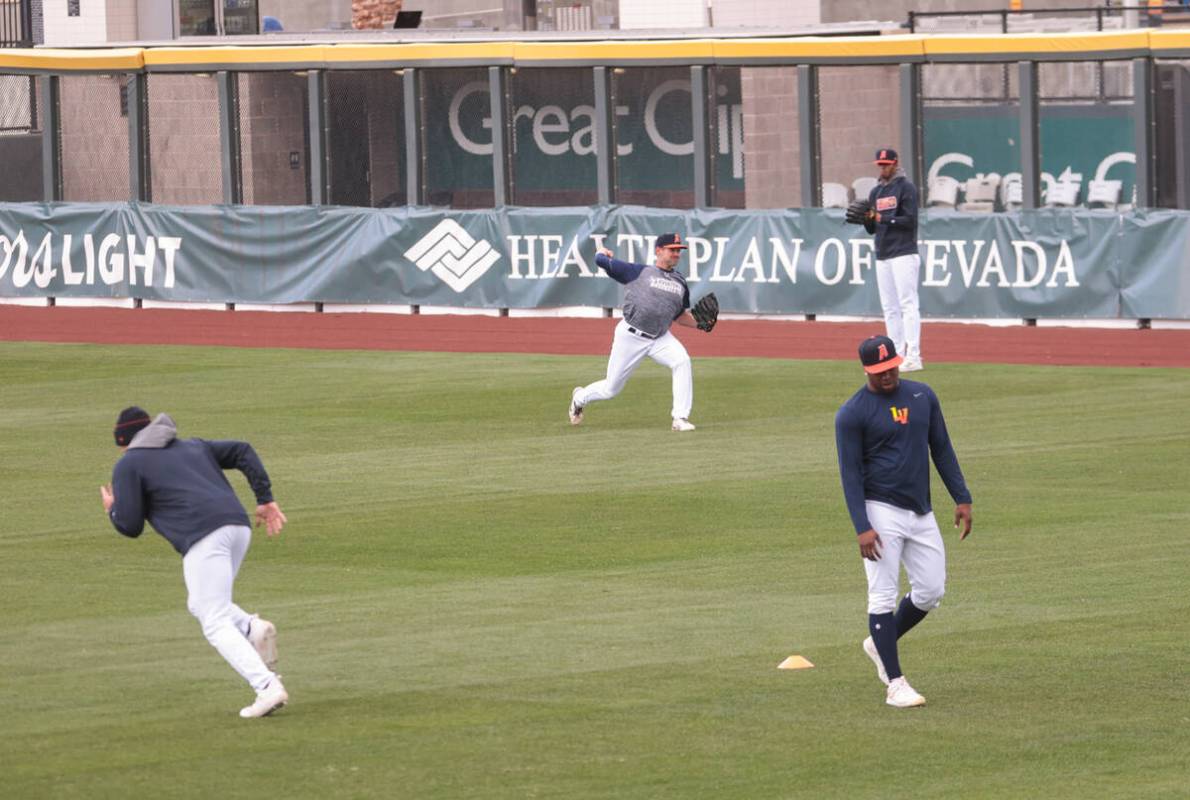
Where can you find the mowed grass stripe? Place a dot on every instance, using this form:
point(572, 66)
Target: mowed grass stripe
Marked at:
point(477, 600)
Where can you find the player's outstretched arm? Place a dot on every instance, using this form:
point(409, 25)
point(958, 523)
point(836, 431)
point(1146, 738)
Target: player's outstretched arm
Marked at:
point(686, 320)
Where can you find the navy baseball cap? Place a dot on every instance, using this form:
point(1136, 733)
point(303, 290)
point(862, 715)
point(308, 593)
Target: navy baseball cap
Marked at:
point(130, 422)
point(671, 240)
point(878, 354)
point(886, 155)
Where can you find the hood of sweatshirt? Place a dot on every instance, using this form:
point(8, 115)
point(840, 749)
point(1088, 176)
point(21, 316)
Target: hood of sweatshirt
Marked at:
point(157, 434)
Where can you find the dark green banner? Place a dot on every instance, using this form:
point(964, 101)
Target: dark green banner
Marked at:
point(1044, 263)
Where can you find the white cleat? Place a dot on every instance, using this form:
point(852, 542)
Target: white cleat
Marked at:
point(912, 365)
point(263, 636)
point(576, 411)
point(902, 695)
point(682, 425)
point(267, 701)
point(870, 649)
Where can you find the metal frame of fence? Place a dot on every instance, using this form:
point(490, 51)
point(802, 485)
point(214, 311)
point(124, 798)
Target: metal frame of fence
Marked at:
point(909, 122)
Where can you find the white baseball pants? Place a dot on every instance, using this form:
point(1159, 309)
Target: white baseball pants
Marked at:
point(913, 540)
point(628, 349)
point(897, 280)
point(210, 569)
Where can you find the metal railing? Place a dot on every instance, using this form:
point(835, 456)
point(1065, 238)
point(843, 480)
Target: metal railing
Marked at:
point(16, 23)
point(1147, 15)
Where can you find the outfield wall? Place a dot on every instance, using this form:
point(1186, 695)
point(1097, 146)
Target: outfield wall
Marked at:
point(1044, 263)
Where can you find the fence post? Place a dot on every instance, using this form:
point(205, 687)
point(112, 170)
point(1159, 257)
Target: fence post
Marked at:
point(51, 139)
point(1144, 109)
point(702, 149)
point(501, 166)
point(1030, 135)
point(319, 174)
point(911, 132)
point(605, 138)
point(229, 137)
point(414, 165)
point(140, 182)
point(807, 122)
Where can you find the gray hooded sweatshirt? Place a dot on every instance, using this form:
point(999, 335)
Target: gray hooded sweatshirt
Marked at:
point(178, 485)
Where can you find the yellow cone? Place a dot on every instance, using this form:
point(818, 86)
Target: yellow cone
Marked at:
point(795, 662)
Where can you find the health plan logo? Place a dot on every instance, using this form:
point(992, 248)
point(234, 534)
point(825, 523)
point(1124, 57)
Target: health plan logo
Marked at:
point(453, 255)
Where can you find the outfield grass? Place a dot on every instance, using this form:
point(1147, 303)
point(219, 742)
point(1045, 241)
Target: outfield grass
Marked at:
point(477, 600)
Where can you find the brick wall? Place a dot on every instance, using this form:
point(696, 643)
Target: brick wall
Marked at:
point(272, 127)
point(772, 171)
point(374, 13)
point(858, 111)
point(184, 146)
point(94, 139)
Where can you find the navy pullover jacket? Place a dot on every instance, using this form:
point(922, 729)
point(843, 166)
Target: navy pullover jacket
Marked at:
point(885, 442)
point(896, 203)
point(178, 485)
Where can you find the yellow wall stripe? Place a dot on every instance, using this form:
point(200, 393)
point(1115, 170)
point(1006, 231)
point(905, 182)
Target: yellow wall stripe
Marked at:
point(1036, 43)
point(888, 48)
point(120, 59)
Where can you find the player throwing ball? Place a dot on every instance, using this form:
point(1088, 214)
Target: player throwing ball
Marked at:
point(655, 297)
point(886, 435)
point(179, 487)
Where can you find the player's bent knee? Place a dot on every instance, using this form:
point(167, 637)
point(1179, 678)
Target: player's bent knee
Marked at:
point(927, 598)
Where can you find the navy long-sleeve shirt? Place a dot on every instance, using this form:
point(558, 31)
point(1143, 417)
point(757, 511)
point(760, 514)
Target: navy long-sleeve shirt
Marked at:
point(885, 442)
point(896, 203)
point(178, 485)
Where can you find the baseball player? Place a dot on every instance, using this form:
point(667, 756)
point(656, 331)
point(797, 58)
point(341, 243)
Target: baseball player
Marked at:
point(890, 211)
point(886, 434)
point(655, 296)
point(179, 487)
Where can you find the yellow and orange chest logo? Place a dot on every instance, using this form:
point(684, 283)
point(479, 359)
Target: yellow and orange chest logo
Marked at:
point(900, 415)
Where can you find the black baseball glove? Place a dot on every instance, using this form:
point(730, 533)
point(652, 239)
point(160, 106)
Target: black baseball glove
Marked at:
point(858, 212)
point(706, 312)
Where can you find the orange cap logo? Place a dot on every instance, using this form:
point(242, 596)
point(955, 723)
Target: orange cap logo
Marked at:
point(883, 353)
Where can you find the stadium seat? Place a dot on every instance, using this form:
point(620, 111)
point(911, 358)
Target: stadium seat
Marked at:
point(1104, 194)
point(1062, 194)
point(1012, 192)
point(862, 187)
point(943, 192)
point(980, 194)
point(834, 195)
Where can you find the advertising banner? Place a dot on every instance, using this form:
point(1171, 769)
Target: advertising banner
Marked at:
point(1044, 263)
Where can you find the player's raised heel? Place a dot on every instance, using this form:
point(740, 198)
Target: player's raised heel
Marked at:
point(682, 425)
point(902, 695)
point(263, 636)
point(576, 411)
point(271, 698)
point(870, 650)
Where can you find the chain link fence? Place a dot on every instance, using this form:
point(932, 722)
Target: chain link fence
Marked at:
point(553, 140)
point(859, 113)
point(93, 114)
point(20, 139)
point(185, 167)
point(457, 138)
point(366, 138)
point(274, 138)
point(654, 164)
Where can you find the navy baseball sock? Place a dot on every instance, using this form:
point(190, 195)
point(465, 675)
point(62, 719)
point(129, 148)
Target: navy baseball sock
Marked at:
point(883, 628)
point(907, 616)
